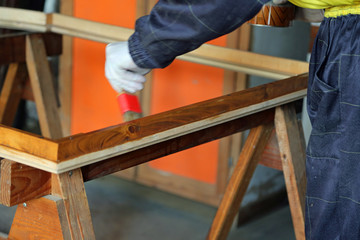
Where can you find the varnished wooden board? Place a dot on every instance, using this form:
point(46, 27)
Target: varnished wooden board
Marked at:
point(231, 59)
point(84, 149)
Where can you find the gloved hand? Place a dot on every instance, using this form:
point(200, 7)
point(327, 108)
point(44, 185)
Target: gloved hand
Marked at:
point(120, 69)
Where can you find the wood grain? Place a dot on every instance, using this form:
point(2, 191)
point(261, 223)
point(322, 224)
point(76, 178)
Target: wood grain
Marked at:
point(174, 145)
point(20, 183)
point(239, 181)
point(43, 87)
point(292, 151)
point(275, 15)
point(37, 219)
point(75, 212)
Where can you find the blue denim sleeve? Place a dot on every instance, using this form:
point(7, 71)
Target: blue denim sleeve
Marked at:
point(175, 27)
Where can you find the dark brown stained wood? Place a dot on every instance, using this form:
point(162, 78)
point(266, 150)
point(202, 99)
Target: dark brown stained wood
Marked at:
point(11, 92)
point(146, 154)
point(211, 109)
point(239, 181)
point(20, 183)
point(12, 47)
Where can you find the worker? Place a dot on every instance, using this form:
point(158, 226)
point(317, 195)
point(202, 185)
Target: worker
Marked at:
point(333, 101)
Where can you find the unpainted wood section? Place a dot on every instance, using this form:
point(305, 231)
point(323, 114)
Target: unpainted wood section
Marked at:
point(174, 145)
point(75, 212)
point(12, 46)
point(275, 15)
point(43, 87)
point(65, 73)
point(209, 111)
point(11, 92)
point(271, 155)
point(20, 183)
point(37, 219)
point(14, 18)
point(239, 181)
point(292, 151)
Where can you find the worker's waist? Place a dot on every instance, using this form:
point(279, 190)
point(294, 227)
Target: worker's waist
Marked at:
point(342, 10)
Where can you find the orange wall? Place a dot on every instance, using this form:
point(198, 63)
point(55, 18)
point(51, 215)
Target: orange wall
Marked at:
point(94, 103)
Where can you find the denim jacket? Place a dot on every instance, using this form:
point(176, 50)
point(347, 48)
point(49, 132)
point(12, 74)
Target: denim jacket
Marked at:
point(175, 27)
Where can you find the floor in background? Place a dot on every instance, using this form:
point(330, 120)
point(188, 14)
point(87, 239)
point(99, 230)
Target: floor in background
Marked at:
point(126, 210)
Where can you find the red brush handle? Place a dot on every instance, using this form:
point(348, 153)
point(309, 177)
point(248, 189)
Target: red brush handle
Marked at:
point(129, 102)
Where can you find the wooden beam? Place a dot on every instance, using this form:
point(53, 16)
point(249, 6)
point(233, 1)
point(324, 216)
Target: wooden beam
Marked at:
point(20, 183)
point(84, 149)
point(38, 219)
point(174, 145)
point(292, 151)
point(239, 181)
point(43, 87)
point(15, 18)
point(231, 59)
point(12, 46)
point(11, 92)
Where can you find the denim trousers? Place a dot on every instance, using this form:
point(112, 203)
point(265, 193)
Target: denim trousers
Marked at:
point(333, 152)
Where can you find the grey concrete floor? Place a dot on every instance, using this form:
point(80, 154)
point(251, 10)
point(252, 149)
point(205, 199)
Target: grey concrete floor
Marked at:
point(125, 210)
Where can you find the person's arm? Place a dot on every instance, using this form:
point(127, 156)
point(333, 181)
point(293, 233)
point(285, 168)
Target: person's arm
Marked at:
point(176, 27)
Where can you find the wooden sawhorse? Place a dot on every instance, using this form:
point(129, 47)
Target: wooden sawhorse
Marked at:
point(45, 177)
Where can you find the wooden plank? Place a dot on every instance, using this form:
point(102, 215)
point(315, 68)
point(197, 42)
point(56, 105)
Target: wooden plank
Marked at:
point(23, 19)
point(18, 142)
point(184, 120)
point(65, 73)
point(292, 151)
point(20, 183)
point(37, 219)
point(11, 92)
point(231, 59)
point(84, 149)
point(12, 46)
point(271, 155)
point(239, 181)
point(75, 208)
point(43, 87)
point(173, 145)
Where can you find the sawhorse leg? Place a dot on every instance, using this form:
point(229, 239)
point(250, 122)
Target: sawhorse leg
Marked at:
point(292, 151)
point(65, 213)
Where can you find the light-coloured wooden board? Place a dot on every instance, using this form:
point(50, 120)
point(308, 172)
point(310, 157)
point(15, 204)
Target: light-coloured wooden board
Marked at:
point(43, 87)
point(292, 150)
point(231, 59)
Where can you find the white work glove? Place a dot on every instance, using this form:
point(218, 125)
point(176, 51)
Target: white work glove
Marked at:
point(120, 69)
